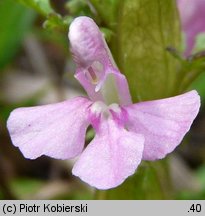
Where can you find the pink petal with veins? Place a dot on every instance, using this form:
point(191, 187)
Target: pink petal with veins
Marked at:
point(56, 130)
point(112, 156)
point(163, 122)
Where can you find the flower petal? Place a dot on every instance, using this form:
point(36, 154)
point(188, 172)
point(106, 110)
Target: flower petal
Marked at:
point(114, 87)
point(111, 88)
point(87, 43)
point(192, 14)
point(96, 70)
point(111, 157)
point(163, 122)
point(56, 130)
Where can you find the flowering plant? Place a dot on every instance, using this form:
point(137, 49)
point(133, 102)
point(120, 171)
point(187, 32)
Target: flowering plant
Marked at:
point(126, 133)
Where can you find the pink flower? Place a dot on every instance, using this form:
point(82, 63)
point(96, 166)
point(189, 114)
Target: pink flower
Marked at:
point(192, 14)
point(126, 133)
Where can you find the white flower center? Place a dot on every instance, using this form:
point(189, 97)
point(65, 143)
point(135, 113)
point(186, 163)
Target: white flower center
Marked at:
point(101, 108)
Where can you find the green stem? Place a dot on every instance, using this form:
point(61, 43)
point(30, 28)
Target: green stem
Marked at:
point(100, 195)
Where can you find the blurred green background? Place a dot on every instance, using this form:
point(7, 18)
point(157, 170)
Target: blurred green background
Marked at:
point(36, 68)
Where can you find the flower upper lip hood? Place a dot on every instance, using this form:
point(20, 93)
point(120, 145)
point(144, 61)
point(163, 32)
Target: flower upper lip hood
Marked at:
point(125, 133)
point(86, 41)
point(96, 69)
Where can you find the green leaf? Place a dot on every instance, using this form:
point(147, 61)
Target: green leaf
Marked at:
point(200, 42)
point(201, 175)
point(41, 6)
point(145, 29)
point(107, 10)
point(190, 71)
point(198, 84)
point(56, 21)
point(78, 8)
point(15, 21)
point(108, 34)
point(24, 187)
